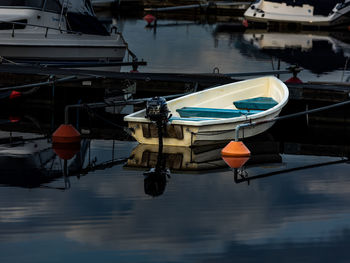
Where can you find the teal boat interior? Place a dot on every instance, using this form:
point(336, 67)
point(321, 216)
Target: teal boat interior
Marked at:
point(213, 113)
point(244, 107)
point(258, 103)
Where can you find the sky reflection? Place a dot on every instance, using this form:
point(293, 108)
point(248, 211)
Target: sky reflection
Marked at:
point(199, 216)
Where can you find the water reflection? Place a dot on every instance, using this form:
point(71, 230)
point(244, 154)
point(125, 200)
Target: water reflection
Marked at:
point(242, 175)
point(200, 216)
point(318, 52)
point(156, 178)
point(201, 47)
point(162, 160)
point(203, 158)
point(29, 159)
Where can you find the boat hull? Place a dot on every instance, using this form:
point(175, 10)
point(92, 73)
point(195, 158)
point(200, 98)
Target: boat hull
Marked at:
point(43, 40)
point(199, 136)
point(281, 14)
point(66, 53)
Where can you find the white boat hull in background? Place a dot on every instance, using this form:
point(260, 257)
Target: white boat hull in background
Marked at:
point(266, 12)
point(42, 42)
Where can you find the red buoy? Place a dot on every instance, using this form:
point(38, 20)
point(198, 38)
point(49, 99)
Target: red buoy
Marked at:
point(15, 94)
point(245, 23)
point(66, 133)
point(66, 151)
point(14, 119)
point(149, 18)
point(293, 80)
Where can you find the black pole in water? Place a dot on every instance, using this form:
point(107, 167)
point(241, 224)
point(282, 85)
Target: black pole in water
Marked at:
point(160, 136)
point(65, 175)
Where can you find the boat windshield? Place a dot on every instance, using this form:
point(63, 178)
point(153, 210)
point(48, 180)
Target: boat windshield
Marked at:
point(23, 3)
point(76, 6)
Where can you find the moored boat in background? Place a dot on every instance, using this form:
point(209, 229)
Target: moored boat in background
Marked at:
point(301, 13)
point(57, 32)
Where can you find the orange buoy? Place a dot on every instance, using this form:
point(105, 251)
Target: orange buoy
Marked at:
point(66, 151)
point(235, 154)
point(66, 133)
point(235, 149)
point(235, 162)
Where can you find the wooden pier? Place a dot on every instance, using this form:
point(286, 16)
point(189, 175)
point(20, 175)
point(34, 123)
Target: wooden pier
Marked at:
point(173, 8)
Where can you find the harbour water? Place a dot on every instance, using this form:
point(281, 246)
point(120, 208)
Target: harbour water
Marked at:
point(289, 203)
point(194, 47)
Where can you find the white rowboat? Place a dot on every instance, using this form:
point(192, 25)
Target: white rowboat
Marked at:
point(210, 116)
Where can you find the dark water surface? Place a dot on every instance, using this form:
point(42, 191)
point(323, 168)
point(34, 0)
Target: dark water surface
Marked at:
point(106, 210)
point(200, 217)
point(181, 46)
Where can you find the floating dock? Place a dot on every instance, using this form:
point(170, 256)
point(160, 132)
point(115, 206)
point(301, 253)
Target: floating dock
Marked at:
point(153, 84)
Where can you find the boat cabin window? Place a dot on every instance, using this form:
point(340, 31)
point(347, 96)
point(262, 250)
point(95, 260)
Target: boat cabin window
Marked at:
point(53, 6)
point(23, 3)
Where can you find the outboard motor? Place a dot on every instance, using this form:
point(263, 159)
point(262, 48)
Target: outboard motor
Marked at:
point(158, 112)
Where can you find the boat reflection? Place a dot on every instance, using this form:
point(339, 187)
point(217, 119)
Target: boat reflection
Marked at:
point(156, 178)
point(29, 160)
point(318, 52)
point(203, 158)
point(317, 140)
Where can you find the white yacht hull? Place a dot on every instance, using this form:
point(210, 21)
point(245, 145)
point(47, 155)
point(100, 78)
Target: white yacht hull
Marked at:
point(49, 45)
point(265, 12)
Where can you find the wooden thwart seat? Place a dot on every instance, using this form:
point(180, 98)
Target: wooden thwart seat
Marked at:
point(189, 119)
point(190, 112)
point(258, 103)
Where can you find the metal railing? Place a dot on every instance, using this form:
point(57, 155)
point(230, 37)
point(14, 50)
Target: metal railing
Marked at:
point(33, 25)
point(47, 28)
point(289, 116)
